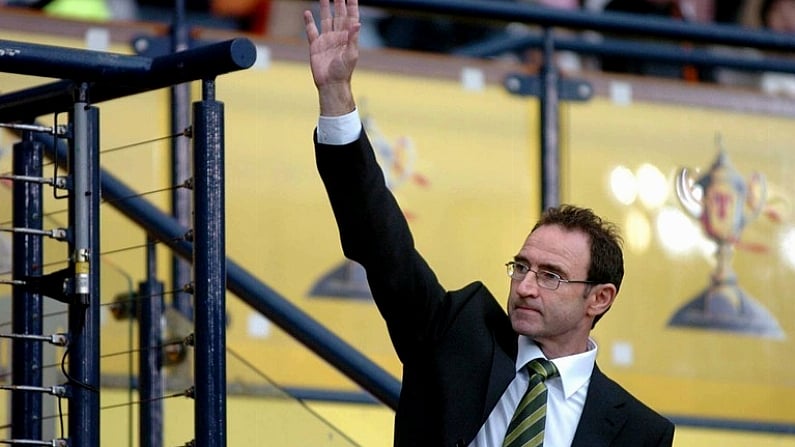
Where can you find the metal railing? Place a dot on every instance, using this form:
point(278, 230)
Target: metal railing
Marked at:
point(96, 77)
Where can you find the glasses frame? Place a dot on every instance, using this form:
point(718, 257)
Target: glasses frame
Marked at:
point(511, 270)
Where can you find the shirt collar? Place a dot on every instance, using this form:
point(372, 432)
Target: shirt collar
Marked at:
point(575, 370)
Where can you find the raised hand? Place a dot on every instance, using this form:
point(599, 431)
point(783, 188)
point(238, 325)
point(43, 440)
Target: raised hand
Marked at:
point(333, 53)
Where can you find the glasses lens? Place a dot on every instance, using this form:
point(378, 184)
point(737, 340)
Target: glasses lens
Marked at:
point(548, 280)
point(511, 268)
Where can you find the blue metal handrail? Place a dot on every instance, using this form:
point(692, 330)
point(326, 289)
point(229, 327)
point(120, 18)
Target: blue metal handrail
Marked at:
point(657, 52)
point(135, 74)
point(610, 22)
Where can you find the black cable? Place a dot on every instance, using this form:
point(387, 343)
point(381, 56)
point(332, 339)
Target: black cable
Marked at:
point(72, 380)
point(60, 416)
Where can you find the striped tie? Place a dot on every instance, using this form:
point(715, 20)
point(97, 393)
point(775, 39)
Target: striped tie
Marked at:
point(527, 425)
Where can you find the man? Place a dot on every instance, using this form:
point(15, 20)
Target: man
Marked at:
point(463, 358)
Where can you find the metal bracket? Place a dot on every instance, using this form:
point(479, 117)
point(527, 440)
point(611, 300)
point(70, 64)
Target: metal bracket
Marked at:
point(568, 89)
point(59, 234)
point(60, 182)
point(55, 390)
point(56, 285)
point(58, 339)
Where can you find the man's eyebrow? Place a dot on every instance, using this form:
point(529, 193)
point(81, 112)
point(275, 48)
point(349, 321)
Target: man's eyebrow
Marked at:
point(552, 268)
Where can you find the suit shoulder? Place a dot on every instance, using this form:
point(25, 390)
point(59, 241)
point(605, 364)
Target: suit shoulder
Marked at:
point(475, 296)
point(470, 289)
point(637, 409)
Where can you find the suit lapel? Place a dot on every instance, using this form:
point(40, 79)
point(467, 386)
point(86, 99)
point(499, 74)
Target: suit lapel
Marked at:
point(603, 414)
point(503, 365)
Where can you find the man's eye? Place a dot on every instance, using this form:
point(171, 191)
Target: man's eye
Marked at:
point(521, 268)
point(547, 275)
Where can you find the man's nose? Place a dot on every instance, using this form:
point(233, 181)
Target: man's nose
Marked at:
point(528, 285)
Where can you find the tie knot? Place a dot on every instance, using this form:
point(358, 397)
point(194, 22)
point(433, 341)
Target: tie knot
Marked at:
point(543, 368)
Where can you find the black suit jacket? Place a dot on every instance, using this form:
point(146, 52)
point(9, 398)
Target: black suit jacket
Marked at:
point(457, 348)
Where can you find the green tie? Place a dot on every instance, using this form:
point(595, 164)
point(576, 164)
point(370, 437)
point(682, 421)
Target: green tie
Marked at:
point(527, 425)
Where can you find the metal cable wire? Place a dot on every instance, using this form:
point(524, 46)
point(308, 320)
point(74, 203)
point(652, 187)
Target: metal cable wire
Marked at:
point(109, 355)
point(186, 184)
point(270, 381)
point(186, 132)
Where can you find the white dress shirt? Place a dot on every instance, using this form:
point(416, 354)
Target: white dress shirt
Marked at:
point(565, 397)
point(339, 130)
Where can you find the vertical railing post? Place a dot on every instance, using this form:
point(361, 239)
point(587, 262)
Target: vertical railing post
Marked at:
point(150, 371)
point(209, 266)
point(550, 125)
point(84, 309)
point(180, 162)
point(27, 306)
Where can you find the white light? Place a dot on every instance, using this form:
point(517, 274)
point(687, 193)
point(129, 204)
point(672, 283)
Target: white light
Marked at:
point(97, 39)
point(623, 185)
point(621, 93)
point(623, 353)
point(258, 326)
point(678, 233)
point(788, 247)
point(652, 186)
point(263, 60)
point(473, 79)
point(638, 231)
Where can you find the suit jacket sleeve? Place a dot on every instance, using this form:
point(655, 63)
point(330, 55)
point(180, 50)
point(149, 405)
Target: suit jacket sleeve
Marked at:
point(374, 232)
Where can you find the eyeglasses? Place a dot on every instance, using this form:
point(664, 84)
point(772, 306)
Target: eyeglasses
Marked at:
point(545, 279)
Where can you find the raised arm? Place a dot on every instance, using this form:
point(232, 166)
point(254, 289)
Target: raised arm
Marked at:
point(373, 229)
point(333, 52)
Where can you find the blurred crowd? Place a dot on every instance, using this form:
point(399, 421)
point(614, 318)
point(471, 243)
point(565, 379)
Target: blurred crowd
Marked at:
point(444, 34)
point(244, 15)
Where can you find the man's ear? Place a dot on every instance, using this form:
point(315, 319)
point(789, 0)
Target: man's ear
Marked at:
point(602, 297)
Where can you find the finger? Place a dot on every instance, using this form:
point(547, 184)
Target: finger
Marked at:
point(353, 10)
point(353, 36)
point(339, 9)
point(311, 28)
point(325, 16)
point(339, 15)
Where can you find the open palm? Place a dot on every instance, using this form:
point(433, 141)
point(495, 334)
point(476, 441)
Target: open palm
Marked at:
point(334, 50)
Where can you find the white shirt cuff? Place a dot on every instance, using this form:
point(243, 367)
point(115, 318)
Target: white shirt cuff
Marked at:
point(339, 130)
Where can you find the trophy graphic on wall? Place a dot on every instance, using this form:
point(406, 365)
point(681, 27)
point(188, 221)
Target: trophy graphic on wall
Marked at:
point(724, 203)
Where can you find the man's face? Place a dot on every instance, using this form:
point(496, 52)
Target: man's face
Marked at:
point(558, 320)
